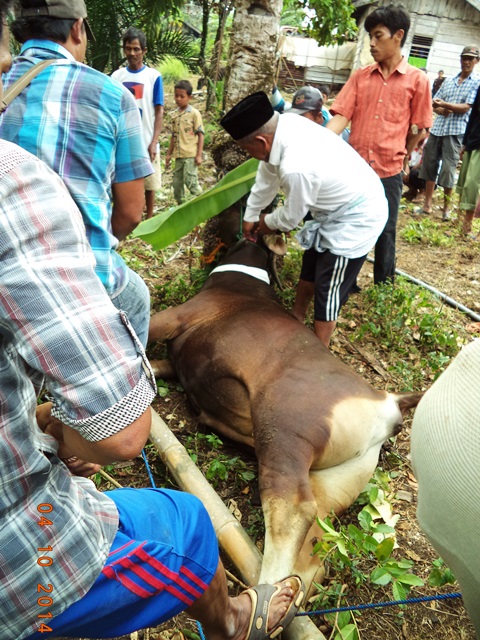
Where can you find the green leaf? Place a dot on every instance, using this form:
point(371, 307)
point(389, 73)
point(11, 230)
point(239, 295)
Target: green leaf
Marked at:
point(384, 549)
point(370, 544)
point(399, 591)
point(343, 619)
point(365, 520)
point(409, 578)
point(381, 576)
point(347, 633)
point(326, 525)
point(165, 229)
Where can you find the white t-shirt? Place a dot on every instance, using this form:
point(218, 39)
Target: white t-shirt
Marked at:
point(146, 85)
point(320, 173)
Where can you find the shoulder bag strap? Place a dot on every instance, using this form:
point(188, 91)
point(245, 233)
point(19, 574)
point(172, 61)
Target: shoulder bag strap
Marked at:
point(19, 85)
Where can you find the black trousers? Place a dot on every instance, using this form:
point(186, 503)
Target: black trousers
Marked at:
point(384, 267)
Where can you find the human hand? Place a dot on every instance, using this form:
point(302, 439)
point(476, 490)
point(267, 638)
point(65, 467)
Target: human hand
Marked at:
point(167, 160)
point(263, 229)
point(53, 427)
point(152, 150)
point(199, 159)
point(248, 230)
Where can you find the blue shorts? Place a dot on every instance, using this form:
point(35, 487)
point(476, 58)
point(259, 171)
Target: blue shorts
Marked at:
point(163, 558)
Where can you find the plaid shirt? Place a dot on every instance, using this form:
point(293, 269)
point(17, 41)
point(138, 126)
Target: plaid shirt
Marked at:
point(456, 93)
point(87, 128)
point(59, 329)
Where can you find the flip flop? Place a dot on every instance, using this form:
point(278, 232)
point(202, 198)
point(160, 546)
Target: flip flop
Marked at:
point(261, 597)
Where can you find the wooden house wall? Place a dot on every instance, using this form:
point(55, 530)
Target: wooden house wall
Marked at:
point(451, 24)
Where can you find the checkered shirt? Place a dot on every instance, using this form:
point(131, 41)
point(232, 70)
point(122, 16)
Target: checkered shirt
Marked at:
point(87, 128)
point(59, 330)
point(455, 93)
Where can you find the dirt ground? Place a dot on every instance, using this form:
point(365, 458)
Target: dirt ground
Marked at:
point(454, 269)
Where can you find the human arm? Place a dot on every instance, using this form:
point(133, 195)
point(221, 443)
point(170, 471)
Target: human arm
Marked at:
point(301, 196)
point(57, 316)
point(444, 108)
point(267, 184)
point(337, 124)
point(199, 156)
point(131, 165)
point(157, 130)
point(128, 200)
point(124, 445)
point(168, 157)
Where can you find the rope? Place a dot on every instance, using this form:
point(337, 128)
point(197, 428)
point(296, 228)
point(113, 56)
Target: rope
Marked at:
point(149, 471)
point(211, 256)
point(359, 607)
point(390, 603)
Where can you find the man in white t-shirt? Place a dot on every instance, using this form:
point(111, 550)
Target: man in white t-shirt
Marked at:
point(145, 83)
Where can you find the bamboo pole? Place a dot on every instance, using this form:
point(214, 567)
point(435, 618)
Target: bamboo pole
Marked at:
point(231, 535)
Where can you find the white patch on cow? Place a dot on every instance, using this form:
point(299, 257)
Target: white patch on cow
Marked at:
point(356, 425)
point(254, 272)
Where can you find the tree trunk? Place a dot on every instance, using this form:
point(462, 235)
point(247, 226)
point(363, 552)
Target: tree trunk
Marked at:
point(214, 70)
point(253, 46)
point(203, 41)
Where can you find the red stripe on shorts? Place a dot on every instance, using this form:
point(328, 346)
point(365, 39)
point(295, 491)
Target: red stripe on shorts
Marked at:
point(130, 563)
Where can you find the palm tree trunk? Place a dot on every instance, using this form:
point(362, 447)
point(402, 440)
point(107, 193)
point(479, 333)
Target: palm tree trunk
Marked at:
point(253, 46)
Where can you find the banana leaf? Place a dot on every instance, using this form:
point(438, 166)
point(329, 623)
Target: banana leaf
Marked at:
point(166, 228)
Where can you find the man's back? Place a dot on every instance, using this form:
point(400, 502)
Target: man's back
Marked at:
point(88, 131)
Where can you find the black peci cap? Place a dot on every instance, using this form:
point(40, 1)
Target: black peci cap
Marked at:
point(248, 115)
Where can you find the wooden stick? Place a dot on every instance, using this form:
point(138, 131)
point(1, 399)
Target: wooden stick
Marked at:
point(232, 537)
point(105, 476)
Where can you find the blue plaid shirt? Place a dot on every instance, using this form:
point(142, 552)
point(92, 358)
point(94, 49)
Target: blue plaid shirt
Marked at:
point(455, 93)
point(59, 329)
point(87, 128)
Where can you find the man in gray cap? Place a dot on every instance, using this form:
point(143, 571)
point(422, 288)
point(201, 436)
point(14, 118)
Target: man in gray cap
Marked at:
point(87, 128)
point(320, 174)
point(452, 104)
point(308, 102)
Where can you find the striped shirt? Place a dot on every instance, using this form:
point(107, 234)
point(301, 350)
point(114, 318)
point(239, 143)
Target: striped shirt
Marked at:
point(87, 128)
point(382, 112)
point(455, 92)
point(58, 329)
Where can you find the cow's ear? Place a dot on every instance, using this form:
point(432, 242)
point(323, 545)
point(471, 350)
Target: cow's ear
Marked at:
point(276, 243)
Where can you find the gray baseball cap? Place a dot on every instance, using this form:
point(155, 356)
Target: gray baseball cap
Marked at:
point(306, 99)
point(67, 9)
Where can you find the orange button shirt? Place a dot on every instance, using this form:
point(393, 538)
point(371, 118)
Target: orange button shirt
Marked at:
point(382, 111)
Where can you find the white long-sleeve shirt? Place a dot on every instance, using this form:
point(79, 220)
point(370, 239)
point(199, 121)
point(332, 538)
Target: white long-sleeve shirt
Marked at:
point(320, 173)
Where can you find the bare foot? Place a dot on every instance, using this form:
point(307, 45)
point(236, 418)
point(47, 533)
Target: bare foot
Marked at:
point(278, 608)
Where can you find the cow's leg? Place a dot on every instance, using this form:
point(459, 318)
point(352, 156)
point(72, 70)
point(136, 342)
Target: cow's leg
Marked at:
point(335, 489)
point(163, 369)
point(289, 510)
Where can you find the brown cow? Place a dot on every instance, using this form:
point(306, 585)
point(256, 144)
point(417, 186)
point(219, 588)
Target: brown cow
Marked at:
point(258, 376)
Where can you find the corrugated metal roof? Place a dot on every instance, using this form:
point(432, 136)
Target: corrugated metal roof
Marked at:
point(362, 3)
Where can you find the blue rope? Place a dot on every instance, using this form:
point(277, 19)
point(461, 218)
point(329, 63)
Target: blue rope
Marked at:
point(149, 471)
point(358, 607)
point(390, 603)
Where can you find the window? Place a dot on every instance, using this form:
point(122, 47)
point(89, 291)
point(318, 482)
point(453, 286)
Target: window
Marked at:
point(419, 51)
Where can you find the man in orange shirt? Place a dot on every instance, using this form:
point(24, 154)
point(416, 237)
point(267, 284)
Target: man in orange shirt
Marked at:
point(389, 104)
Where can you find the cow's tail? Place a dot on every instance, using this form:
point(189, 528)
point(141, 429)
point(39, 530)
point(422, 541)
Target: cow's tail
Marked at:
point(407, 401)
